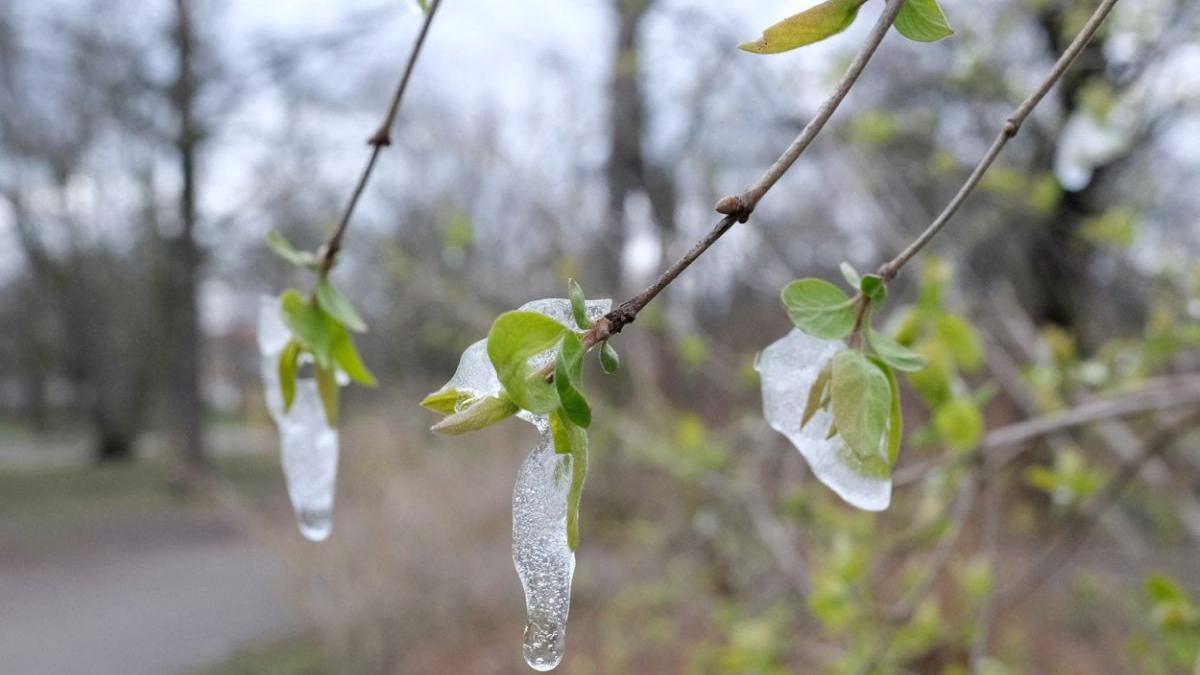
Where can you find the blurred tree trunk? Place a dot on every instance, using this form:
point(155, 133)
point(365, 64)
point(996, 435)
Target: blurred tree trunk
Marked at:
point(630, 172)
point(1060, 257)
point(181, 280)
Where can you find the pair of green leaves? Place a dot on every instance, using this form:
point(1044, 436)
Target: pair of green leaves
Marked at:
point(318, 331)
point(823, 310)
point(865, 398)
point(320, 326)
point(919, 20)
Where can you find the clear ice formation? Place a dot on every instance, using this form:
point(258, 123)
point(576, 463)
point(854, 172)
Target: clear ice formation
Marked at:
point(788, 368)
point(308, 445)
point(544, 562)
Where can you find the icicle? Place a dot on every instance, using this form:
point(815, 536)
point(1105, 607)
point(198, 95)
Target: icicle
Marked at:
point(543, 560)
point(788, 369)
point(308, 445)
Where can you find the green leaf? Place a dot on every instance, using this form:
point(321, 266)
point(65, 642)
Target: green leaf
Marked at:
point(610, 360)
point(568, 370)
point(892, 353)
point(959, 422)
point(446, 402)
point(287, 373)
point(850, 275)
point(895, 427)
point(818, 394)
point(923, 21)
point(861, 402)
point(819, 308)
point(337, 306)
point(812, 25)
point(482, 413)
point(962, 340)
point(284, 249)
point(345, 354)
point(328, 388)
point(309, 326)
point(578, 304)
point(572, 440)
point(873, 287)
point(514, 338)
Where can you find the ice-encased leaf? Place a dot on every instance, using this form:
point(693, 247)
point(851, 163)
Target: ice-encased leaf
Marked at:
point(308, 445)
point(476, 375)
point(541, 554)
point(788, 369)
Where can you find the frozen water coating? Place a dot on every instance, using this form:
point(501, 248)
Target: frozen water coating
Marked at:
point(788, 368)
point(545, 563)
point(308, 445)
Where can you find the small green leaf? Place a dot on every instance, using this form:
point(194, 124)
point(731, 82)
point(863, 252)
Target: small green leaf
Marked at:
point(284, 249)
point(309, 326)
point(819, 308)
point(873, 287)
point(568, 369)
point(812, 25)
point(570, 439)
point(861, 402)
point(328, 388)
point(850, 275)
point(818, 394)
point(895, 427)
point(514, 338)
point(578, 304)
point(962, 340)
point(482, 413)
point(337, 306)
point(345, 354)
point(959, 422)
point(892, 353)
point(610, 360)
point(923, 21)
point(287, 373)
point(446, 402)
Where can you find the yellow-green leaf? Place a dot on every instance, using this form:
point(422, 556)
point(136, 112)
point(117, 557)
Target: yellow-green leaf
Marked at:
point(812, 25)
point(923, 21)
point(446, 401)
point(861, 402)
point(287, 373)
point(328, 388)
point(482, 413)
point(338, 307)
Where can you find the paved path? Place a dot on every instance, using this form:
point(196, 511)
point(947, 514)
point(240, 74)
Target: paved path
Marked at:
point(157, 608)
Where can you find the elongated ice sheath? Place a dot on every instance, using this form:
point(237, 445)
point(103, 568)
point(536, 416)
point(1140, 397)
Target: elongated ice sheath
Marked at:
point(308, 445)
point(544, 562)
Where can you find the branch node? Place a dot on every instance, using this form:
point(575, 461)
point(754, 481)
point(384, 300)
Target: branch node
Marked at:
point(380, 139)
point(737, 206)
point(1011, 127)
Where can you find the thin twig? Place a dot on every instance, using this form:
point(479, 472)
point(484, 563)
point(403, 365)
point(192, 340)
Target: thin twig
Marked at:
point(993, 506)
point(1076, 532)
point(1004, 444)
point(738, 209)
point(1010, 128)
point(378, 141)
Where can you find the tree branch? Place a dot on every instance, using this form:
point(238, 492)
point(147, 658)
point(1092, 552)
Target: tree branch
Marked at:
point(1076, 532)
point(378, 141)
point(738, 209)
point(1010, 128)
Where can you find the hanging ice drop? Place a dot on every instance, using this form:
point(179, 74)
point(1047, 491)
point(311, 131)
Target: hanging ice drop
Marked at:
point(544, 562)
point(308, 445)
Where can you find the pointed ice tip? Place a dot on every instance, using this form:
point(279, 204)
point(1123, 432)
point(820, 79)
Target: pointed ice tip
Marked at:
point(314, 525)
